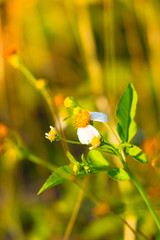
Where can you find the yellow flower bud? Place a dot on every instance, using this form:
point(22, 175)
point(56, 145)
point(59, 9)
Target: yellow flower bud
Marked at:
point(75, 168)
point(11, 55)
point(40, 84)
point(69, 102)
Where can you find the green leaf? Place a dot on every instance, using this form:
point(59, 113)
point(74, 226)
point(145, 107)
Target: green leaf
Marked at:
point(71, 158)
point(126, 126)
point(137, 154)
point(64, 173)
point(118, 174)
point(96, 160)
point(60, 175)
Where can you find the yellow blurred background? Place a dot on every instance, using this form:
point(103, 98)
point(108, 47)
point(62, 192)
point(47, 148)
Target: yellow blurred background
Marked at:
point(89, 49)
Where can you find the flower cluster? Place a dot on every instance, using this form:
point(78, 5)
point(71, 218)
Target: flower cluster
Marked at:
point(83, 121)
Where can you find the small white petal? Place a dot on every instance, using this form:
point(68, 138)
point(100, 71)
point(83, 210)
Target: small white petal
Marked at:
point(92, 131)
point(82, 136)
point(85, 135)
point(46, 134)
point(51, 127)
point(98, 116)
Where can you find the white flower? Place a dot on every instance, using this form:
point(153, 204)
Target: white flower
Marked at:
point(86, 132)
point(52, 135)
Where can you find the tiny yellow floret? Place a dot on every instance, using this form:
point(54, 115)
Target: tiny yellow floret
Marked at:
point(82, 119)
point(96, 142)
point(86, 168)
point(75, 168)
point(14, 60)
point(51, 136)
point(40, 84)
point(69, 103)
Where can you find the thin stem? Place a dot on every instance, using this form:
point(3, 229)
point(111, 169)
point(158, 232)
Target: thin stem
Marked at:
point(70, 141)
point(136, 232)
point(143, 194)
point(136, 183)
point(118, 139)
point(74, 213)
point(33, 158)
point(113, 132)
point(141, 191)
point(46, 95)
point(39, 161)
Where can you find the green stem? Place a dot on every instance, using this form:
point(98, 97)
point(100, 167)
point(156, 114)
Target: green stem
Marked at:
point(46, 95)
point(30, 77)
point(142, 192)
point(70, 141)
point(144, 196)
point(75, 212)
point(39, 161)
point(136, 183)
point(33, 158)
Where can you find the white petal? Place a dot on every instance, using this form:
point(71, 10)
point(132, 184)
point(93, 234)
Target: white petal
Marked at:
point(92, 131)
point(85, 135)
point(98, 116)
point(82, 135)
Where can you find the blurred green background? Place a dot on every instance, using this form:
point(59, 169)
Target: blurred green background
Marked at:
point(89, 49)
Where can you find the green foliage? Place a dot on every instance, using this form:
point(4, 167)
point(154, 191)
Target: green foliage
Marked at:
point(59, 176)
point(96, 159)
point(96, 163)
point(126, 126)
point(137, 154)
point(71, 158)
point(118, 174)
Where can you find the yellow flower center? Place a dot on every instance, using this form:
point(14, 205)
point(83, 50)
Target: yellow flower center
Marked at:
point(96, 141)
point(52, 134)
point(82, 119)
